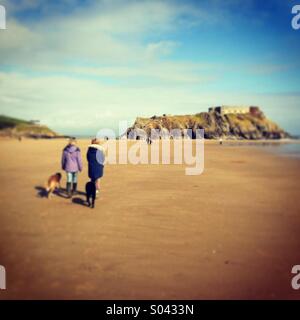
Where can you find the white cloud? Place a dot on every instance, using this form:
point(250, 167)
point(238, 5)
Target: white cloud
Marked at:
point(101, 40)
point(89, 67)
point(161, 48)
point(72, 105)
point(101, 33)
point(60, 63)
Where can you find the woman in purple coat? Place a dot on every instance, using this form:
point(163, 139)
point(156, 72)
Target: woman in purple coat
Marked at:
point(71, 162)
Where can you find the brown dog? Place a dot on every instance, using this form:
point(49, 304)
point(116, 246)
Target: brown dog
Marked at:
point(53, 183)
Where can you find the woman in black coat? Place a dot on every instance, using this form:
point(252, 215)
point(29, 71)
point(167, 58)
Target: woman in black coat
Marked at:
point(96, 158)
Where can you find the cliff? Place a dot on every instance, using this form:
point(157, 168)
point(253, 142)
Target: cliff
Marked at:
point(15, 128)
point(250, 125)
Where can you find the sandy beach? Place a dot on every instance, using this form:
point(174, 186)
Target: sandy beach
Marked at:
point(156, 233)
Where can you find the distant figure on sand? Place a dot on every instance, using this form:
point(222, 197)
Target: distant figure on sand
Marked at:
point(96, 159)
point(220, 141)
point(71, 162)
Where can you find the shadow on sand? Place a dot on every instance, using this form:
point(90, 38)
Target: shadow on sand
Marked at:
point(80, 201)
point(42, 192)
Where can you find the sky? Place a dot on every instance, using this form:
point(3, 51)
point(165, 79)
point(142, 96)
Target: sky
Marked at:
point(82, 65)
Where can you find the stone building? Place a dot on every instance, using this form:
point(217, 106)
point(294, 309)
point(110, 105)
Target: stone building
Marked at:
point(230, 109)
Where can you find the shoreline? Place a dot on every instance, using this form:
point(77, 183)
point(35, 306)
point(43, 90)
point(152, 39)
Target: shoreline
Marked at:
point(236, 141)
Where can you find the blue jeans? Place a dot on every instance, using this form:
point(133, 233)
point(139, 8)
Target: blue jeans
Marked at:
point(72, 177)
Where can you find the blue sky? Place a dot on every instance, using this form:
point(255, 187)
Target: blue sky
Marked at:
point(82, 65)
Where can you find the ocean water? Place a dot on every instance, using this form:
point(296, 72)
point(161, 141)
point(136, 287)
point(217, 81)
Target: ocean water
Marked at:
point(287, 149)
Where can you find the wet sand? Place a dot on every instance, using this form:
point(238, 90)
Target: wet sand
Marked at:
point(231, 233)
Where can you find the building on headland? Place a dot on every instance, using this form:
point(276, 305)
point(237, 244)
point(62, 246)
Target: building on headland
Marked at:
point(255, 111)
point(35, 122)
point(235, 110)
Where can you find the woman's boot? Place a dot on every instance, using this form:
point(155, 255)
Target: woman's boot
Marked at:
point(74, 188)
point(69, 189)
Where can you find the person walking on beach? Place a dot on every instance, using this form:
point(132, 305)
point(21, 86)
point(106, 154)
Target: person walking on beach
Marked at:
point(96, 159)
point(71, 162)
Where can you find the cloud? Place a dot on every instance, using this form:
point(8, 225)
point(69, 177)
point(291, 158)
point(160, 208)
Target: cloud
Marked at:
point(79, 67)
point(103, 39)
point(56, 68)
point(81, 106)
point(103, 32)
point(161, 48)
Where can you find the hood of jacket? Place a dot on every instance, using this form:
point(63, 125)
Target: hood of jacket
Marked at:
point(71, 148)
point(96, 147)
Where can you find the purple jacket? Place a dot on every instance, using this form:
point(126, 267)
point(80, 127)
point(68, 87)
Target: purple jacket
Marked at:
point(71, 159)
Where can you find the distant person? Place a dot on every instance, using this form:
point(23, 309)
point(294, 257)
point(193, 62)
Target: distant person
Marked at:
point(96, 158)
point(220, 141)
point(72, 163)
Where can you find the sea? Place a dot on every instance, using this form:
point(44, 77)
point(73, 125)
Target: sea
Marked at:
point(287, 148)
